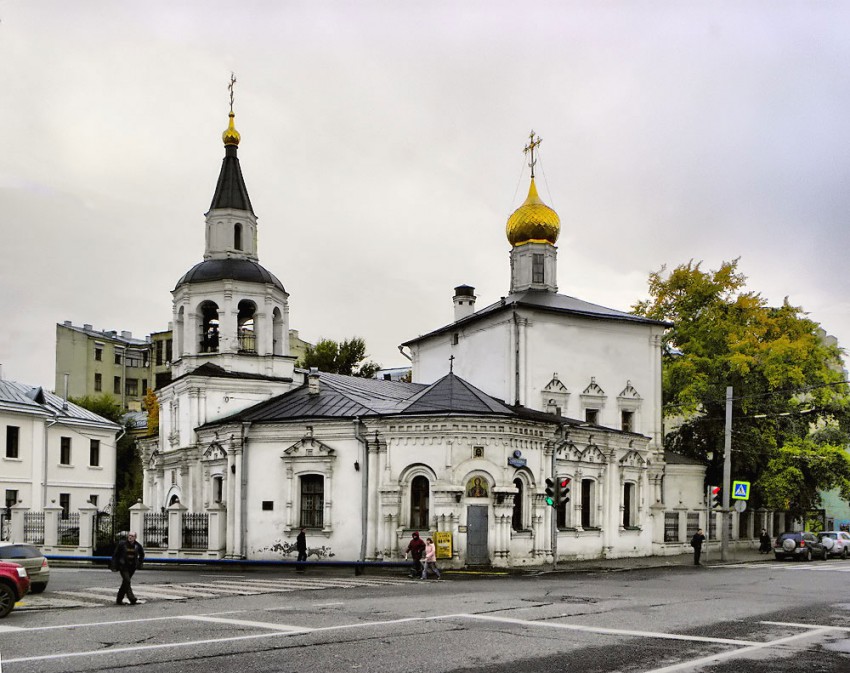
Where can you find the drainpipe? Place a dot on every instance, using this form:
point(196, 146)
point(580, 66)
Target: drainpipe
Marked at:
point(364, 516)
point(243, 496)
point(47, 426)
point(401, 350)
point(516, 357)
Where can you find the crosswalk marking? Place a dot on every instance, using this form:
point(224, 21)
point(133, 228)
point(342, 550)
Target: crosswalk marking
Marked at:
point(97, 596)
point(792, 567)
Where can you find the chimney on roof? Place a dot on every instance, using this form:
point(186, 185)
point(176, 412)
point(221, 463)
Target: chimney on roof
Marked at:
point(464, 301)
point(313, 381)
point(67, 323)
point(126, 335)
point(87, 327)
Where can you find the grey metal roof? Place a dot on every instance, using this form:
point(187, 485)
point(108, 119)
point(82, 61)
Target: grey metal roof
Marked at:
point(230, 190)
point(236, 269)
point(544, 300)
point(35, 400)
point(111, 335)
point(452, 393)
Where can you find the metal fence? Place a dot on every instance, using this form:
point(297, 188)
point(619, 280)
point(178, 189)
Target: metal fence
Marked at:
point(156, 529)
point(195, 530)
point(68, 530)
point(34, 527)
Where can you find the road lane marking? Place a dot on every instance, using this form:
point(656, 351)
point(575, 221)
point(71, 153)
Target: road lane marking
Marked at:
point(731, 654)
point(609, 631)
point(245, 622)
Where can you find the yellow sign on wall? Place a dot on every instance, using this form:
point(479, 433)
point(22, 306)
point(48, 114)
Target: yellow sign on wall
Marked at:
point(443, 543)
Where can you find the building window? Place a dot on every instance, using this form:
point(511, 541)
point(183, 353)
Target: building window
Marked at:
point(117, 357)
point(65, 504)
point(628, 505)
point(268, 505)
point(98, 353)
point(312, 501)
point(419, 492)
point(237, 236)
point(116, 385)
point(94, 453)
point(144, 386)
point(135, 359)
point(93, 499)
point(218, 488)
point(132, 387)
point(627, 421)
point(64, 450)
point(13, 434)
point(159, 345)
point(98, 383)
point(537, 275)
point(11, 501)
point(591, 416)
point(455, 339)
point(587, 503)
point(516, 518)
point(168, 343)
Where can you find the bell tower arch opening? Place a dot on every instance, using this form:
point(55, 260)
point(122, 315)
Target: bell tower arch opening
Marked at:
point(245, 325)
point(209, 327)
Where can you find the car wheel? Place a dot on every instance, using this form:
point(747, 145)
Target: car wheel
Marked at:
point(844, 553)
point(38, 588)
point(7, 599)
point(808, 555)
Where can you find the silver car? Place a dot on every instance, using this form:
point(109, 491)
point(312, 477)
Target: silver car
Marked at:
point(837, 542)
point(30, 558)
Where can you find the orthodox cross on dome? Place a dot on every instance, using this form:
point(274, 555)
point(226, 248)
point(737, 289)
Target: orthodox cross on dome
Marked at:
point(529, 149)
point(230, 87)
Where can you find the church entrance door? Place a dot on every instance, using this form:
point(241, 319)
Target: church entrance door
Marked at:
point(477, 529)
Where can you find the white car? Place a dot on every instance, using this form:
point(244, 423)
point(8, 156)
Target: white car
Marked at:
point(837, 542)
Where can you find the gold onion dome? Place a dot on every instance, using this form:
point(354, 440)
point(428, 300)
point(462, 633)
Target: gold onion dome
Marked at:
point(231, 135)
point(533, 221)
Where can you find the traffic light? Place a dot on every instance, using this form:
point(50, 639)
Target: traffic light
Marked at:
point(714, 497)
point(551, 492)
point(563, 490)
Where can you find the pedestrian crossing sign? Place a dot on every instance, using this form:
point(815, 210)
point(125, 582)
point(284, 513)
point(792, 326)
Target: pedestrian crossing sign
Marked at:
point(740, 490)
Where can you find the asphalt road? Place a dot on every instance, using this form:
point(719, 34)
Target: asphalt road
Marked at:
point(748, 617)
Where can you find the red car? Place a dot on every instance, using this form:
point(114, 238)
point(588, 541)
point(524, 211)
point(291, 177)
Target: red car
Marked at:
point(14, 583)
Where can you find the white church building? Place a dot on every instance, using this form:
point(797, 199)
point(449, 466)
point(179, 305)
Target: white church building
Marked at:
point(536, 385)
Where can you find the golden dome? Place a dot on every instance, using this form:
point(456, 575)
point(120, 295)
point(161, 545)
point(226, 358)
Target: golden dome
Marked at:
point(231, 135)
point(533, 221)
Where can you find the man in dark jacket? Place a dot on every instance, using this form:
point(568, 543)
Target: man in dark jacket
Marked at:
point(416, 549)
point(301, 548)
point(696, 543)
point(128, 558)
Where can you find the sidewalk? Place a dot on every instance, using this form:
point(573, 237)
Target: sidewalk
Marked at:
point(710, 557)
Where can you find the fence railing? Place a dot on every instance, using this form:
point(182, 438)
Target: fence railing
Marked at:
point(69, 529)
point(195, 530)
point(34, 527)
point(155, 529)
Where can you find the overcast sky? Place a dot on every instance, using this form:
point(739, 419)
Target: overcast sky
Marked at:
point(382, 150)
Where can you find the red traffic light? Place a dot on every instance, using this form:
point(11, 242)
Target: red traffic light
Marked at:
point(563, 482)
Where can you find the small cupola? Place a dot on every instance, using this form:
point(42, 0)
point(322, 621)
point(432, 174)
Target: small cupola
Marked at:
point(464, 301)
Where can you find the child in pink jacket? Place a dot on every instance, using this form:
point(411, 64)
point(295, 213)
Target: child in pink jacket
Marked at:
point(430, 560)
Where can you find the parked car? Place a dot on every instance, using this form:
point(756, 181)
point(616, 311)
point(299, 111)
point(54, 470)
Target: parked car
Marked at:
point(800, 545)
point(837, 542)
point(14, 584)
point(30, 558)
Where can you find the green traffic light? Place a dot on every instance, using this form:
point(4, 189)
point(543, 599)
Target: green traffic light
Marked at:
point(550, 502)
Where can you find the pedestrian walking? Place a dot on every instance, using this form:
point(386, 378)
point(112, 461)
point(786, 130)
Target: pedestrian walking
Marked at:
point(301, 547)
point(416, 549)
point(764, 542)
point(127, 559)
point(696, 543)
point(430, 560)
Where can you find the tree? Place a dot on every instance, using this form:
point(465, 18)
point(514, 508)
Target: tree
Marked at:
point(345, 357)
point(786, 379)
point(128, 471)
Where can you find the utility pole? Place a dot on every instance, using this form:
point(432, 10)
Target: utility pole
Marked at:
point(727, 478)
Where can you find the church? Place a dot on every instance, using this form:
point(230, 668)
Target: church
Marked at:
point(536, 386)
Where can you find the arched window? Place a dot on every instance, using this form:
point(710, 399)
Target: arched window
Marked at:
point(209, 327)
point(629, 508)
point(516, 520)
point(237, 236)
point(587, 503)
point(419, 494)
point(217, 488)
point(277, 332)
point(245, 323)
